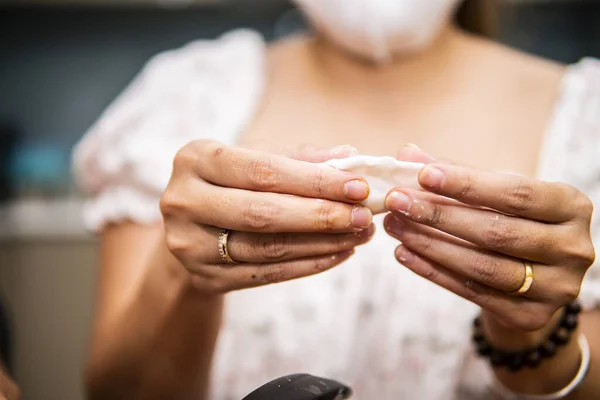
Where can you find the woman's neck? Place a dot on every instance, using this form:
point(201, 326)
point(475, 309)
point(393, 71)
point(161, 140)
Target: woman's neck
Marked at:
point(338, 70)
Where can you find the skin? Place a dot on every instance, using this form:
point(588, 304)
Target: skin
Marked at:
point(9, 390)
point(476, 252)
point(156, 321)
point(161, 287)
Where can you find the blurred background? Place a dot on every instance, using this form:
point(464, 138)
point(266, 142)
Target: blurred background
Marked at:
point(61, 63)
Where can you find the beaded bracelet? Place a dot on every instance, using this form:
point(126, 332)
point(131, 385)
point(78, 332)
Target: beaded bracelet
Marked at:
point(533, 356)
point(584, 348)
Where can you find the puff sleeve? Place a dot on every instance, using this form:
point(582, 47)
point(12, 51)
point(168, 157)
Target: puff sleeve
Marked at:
point(206, 89)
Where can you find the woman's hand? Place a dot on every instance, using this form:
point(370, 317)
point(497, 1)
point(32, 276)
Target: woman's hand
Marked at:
point(288, 218)
point(474, 240)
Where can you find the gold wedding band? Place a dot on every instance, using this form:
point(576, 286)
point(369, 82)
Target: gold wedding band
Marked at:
point(527, 282)
point(223, 251)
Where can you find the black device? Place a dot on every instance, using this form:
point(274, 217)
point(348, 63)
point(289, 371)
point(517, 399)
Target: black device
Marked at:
point(301, 387)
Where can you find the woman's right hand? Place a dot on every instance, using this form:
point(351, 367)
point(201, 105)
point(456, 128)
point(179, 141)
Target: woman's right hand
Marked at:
point(289, 217)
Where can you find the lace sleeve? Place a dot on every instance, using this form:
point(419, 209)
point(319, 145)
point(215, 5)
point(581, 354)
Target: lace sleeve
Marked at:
point(207, 89)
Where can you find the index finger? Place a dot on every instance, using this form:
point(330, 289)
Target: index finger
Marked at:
point(511, 194)
point(263, 172)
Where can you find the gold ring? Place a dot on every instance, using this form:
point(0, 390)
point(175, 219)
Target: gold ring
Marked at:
point(223, 251)
point(527, 281)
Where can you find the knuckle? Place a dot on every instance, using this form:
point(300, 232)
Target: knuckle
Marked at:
point(326, 217)
point(213, 151)
point(212, 148)
point(189, 154)
point(178, 245)
point(586, 253)
point(520, 197)
point(258, 216)
point(468, 187)
point(275, 273)
point(204, 152)
point(275, 246)
point(182, 159)
point(204, 148)
point(436, 217)
point(580, 251)
point(570, 293)
point(486, 269)
point(500, 234)
point(318, 183)
point(578, 201)
point(567, 290)
point(170, 204)
point(589, 256)
point(262, 174)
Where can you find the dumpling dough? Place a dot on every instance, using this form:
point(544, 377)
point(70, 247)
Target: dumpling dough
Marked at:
point(382, 174)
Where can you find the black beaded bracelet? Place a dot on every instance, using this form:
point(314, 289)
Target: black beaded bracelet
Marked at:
point(530, 357)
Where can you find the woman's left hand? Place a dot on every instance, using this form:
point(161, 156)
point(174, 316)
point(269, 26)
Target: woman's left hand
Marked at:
point(474, 235)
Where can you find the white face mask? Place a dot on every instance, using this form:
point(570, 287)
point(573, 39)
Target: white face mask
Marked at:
point(379, 29)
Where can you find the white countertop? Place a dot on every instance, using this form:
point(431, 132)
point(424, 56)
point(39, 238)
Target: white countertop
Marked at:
point(42, 219)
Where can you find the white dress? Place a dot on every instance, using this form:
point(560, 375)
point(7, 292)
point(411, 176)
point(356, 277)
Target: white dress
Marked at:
point(369, 323)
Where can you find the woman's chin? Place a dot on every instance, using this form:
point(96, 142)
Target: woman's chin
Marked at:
point(397, 48)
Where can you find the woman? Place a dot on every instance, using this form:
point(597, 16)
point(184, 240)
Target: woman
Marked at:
point(231, 116)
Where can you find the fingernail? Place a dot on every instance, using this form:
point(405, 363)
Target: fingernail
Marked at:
point(356, 190)
point(431, 177)
point(403, 254)
point(361, 217)
point(344, 151)
point(398, 201)
point(394, 226)
point(413, 146)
